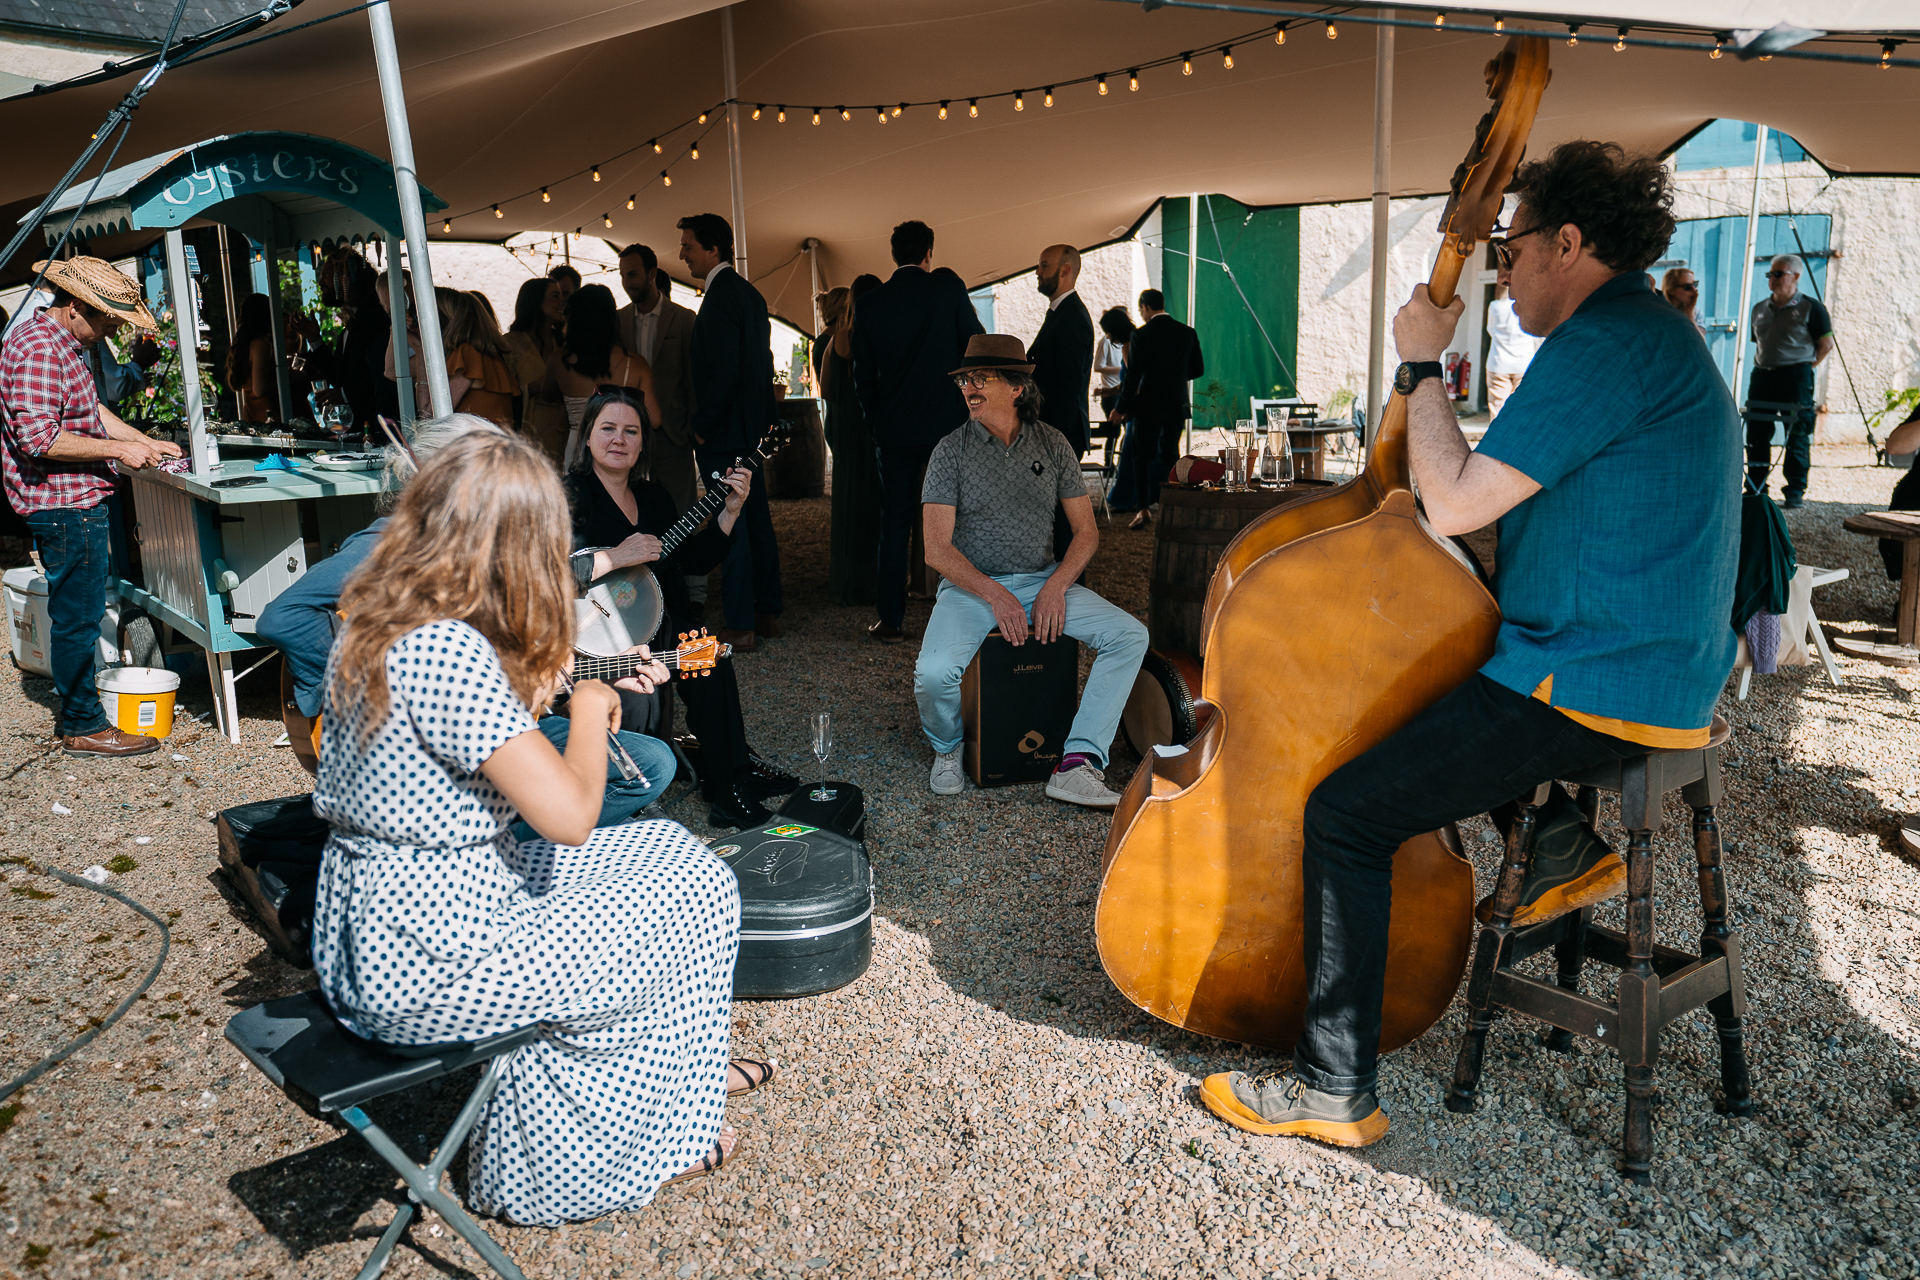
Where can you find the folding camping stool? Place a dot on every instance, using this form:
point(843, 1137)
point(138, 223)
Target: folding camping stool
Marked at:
point(299, 1045)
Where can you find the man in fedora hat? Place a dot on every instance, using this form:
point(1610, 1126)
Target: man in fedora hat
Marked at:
point(990, 495)
point(56, 441)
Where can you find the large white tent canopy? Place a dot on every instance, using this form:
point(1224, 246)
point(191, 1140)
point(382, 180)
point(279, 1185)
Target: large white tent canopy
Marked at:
point(508, 97)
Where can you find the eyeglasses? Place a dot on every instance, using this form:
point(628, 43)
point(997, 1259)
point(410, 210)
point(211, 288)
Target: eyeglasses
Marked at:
point(1690, 288)
point(1502, 253)
point(1776, 275)
point(974, 381)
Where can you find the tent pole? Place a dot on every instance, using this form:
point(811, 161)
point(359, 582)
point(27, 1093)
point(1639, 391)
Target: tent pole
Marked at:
point(1744, 320)
point(186, 332)
point(1382, 181)
point(1193, 287)
point(402, 367)
point(413, 219)
point(734, 179)
point(812, 245)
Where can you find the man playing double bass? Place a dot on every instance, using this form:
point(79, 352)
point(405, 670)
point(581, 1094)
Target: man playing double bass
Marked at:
point(1614, 472)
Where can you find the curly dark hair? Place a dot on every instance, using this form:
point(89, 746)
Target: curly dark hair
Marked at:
point(1622, 204)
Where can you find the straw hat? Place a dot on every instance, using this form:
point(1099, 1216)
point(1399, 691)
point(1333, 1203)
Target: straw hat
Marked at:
point(94, 281)
point(995, 351)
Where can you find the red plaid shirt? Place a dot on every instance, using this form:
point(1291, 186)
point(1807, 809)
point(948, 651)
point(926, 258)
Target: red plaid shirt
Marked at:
point(45, 389)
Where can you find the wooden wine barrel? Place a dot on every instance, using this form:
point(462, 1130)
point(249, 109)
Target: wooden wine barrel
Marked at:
point(1190, 533)
point(800, 469)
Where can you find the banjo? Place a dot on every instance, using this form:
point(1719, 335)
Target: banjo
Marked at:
point(625, 608)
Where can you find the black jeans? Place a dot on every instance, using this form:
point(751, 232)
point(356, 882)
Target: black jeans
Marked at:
point(750, 575)
point(73, 548)
point(1156, 447)
point(903, 472)
point(1785, 384)
point(1477, 748)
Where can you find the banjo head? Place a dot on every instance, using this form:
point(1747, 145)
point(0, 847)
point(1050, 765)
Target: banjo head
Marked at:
point(621, 610)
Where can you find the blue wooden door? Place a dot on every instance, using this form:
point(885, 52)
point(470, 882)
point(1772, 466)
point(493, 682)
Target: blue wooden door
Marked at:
point(1711, 249)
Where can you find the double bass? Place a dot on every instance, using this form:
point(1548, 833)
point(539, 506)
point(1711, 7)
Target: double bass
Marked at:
point(1329, 624)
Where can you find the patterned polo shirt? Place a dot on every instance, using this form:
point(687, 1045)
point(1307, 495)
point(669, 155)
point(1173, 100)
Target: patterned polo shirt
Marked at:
point(1615, 580)
point(45, 388)
point(1003, 496)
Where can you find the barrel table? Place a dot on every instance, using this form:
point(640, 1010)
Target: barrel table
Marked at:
point(1191, 533)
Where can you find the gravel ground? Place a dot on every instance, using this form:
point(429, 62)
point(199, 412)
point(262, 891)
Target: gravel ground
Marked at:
point(982, 1103)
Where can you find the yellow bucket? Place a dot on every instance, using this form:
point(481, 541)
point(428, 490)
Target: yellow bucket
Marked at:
point(138, 699)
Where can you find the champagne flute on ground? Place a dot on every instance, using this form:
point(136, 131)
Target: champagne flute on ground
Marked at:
point(822, 748)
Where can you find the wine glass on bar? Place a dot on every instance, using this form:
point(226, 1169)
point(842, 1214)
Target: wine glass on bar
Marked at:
point(822, 748)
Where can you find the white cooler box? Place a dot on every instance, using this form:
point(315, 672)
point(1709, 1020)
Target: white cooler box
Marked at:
point(28, 625)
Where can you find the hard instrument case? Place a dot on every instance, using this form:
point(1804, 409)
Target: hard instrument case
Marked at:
point(806, 896)
point(271, 850)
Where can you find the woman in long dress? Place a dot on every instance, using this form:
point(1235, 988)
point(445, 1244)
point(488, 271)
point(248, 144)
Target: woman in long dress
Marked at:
point(533, 336)
point(434, 925)
point(853, 565)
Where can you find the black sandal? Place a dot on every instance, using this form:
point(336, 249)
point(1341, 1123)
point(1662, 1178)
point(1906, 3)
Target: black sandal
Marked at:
point(756, 1073)
point(714, 1161)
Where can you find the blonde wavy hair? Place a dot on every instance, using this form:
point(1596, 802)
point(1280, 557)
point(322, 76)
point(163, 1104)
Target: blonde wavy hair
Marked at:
point(480, 536)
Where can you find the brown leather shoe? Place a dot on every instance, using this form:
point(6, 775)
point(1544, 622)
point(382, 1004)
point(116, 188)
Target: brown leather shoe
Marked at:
point(766, 626)
point(1141, 519)
point(109, 742)
point(885, 634)
point(742, 641)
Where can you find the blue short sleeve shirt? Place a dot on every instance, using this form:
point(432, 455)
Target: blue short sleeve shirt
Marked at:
point(1616, 579)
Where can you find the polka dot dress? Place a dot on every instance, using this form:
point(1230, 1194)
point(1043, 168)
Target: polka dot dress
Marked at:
point(434, 925)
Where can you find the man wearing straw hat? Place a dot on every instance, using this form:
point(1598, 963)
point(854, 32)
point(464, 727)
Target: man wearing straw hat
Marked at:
point(56, 443)
point(991, 489)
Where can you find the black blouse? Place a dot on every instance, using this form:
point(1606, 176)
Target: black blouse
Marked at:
point(598, 523)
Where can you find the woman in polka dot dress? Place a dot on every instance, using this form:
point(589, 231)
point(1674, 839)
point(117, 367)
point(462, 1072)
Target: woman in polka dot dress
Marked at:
point(433, 924)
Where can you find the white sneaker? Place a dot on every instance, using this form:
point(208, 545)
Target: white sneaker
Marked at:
point(1083, 785)
point(946, 778)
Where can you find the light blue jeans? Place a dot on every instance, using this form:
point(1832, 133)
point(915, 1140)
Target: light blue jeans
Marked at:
point(961, 620)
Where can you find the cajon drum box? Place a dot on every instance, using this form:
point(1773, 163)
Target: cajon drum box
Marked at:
point(1017, 705)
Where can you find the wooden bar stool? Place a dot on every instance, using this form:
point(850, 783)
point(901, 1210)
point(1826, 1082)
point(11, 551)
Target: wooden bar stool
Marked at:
point(1657, 984)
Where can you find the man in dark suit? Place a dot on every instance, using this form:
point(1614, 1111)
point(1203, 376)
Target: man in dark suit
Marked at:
point(1062, 356)
point(732, 367)
point(1166, 357)
point(660, 331)
point(908, 334)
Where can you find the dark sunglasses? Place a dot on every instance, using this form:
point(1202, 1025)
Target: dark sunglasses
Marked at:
point(1775, 275)
point(1502, 253)
point(1690, 288)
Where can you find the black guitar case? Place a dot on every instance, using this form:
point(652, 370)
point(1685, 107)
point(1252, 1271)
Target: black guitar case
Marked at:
point(271, 850)
point(806, 896)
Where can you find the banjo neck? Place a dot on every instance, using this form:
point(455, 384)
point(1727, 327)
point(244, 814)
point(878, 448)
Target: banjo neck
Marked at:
point(705, 509)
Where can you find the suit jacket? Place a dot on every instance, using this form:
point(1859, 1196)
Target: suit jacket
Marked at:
point(1062, 355)
point(1166, 357)
point(732, 367)
point(672, 364)
point(907, 337)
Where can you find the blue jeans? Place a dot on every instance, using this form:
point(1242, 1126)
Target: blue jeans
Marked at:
point(750, 575)
point(623, 799)
point(73, 545)
point(961, 620)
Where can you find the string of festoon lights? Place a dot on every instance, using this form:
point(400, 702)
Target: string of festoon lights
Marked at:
point(1103, 83)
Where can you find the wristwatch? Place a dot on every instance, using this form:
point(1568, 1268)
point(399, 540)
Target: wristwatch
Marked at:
point(1412, 373)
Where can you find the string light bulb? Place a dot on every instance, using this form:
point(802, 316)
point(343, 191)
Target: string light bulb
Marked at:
point(1133, 80)
point(1333, 32)
point(1101, 85)
point(1718, 42)
point(606, 220)
point(943, 110)
point(1049, 98)
point(703, 117)
point(497, 213)
point(1226, 58)
point(1573, 34)
point(656, 146)
point(1019, 99)
point(898, 108)
point(446, 225)
point(844, 113)
point(666, 179)
point(880, 114)
point(780, 114)
point(973, 108)
point(1886, 53)
point(1620, 45)
point(596, 173)
point(816, 115)
point(758, 108)
point(1499, 24)
point(1279, 33)
point(544, 197)
point(630, 200)
point(694, 151)
point(1186, 64)
point(1439, 19)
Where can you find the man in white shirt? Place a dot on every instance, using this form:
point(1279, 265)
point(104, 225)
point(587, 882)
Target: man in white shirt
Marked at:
point(1512, 352)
